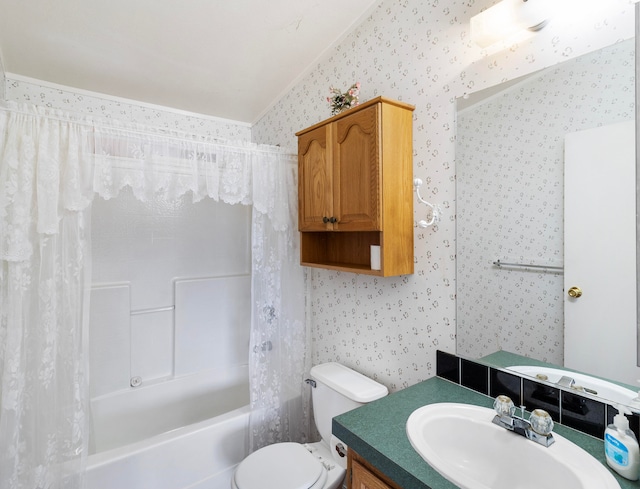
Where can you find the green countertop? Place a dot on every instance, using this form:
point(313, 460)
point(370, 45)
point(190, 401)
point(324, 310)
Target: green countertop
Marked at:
point(376, 431)
point(503, 359)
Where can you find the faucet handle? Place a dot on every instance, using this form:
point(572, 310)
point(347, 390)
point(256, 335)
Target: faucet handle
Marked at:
point(503, 405)
point(541, 422)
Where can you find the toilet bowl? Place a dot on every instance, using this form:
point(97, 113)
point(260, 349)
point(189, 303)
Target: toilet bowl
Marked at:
point(336, 390)
point(289, 466)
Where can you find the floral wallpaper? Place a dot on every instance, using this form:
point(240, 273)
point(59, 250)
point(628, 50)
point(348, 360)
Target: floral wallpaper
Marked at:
point(417, 51)
point(93, 104)
point(510, 162)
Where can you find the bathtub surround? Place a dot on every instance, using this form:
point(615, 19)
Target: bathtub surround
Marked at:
point(170, 280)
point(129, 417)
point(53, 163)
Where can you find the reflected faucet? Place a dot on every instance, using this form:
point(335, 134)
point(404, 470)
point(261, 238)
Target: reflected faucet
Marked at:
point(538, 428)
point(570, 383)
point(566, 382)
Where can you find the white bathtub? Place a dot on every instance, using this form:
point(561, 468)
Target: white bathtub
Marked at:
point(186, 433)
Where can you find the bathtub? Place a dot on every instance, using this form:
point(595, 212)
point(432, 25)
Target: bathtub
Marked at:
point(184, 433)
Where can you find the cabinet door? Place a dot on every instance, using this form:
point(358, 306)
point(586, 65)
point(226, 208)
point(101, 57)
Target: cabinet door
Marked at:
point(356, 167)
point(361, 478)
point(315, 193)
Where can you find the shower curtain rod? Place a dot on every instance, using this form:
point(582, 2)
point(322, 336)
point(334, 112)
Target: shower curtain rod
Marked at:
point(148, 130)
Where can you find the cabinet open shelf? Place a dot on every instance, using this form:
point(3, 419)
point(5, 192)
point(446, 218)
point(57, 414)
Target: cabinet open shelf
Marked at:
point(345, 251)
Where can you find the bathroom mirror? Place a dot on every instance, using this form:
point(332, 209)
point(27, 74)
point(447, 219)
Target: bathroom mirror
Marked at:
point(510, 200)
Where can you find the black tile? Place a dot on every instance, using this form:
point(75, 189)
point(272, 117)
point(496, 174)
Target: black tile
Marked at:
point(475, 376)
point(536, 395)
point(634, 420)
point(505, 383)
point(584, 414)
point(634, 424)
point(448, 366)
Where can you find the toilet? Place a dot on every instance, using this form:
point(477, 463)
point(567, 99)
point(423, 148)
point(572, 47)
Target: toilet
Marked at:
point(336, 389)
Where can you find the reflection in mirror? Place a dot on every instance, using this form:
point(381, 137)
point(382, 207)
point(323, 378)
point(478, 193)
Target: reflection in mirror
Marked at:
point(509, 198)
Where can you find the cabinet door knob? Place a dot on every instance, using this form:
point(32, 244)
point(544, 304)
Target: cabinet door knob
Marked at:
point(333, 220)
point(325, 219)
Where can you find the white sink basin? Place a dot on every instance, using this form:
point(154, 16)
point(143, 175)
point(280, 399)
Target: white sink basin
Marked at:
point(602, 388)
point(465, 447)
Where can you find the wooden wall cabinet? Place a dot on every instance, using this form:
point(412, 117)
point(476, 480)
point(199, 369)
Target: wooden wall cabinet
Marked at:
point(355, 189)
point(360, 475)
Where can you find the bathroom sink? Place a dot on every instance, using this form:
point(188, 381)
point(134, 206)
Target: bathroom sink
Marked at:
point(583, 382)
point(461, 443)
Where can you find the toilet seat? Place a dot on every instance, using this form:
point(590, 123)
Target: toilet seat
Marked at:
point(283, 465)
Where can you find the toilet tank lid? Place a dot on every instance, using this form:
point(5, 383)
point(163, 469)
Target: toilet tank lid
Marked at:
point(349, 383)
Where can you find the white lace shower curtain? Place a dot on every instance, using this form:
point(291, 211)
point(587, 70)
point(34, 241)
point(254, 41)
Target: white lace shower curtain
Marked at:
point(51, 166)
point(280, 400)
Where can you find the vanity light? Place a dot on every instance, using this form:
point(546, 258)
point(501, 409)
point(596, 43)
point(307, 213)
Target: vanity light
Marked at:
point(507, 18)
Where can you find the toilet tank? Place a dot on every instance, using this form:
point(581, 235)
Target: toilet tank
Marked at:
point(340, 389)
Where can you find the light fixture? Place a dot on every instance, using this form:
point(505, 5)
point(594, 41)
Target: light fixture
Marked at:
point(508, 18)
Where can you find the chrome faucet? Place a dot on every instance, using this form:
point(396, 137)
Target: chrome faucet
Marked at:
point(538, 428)
point(570, 383)
point(566, 381)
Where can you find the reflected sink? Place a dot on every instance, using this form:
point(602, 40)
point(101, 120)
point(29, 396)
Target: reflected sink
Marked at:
point(592, 385)
point(464, 446)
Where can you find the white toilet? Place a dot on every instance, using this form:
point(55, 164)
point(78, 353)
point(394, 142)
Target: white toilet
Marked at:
point(336, 390)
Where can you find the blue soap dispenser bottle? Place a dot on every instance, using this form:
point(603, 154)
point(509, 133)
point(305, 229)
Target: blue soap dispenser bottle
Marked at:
point(621, 446)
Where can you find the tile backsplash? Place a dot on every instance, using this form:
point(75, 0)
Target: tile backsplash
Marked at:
point(571, 409)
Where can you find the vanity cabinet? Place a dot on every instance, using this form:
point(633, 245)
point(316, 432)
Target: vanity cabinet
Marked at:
point(362, 476)
point(355, 189)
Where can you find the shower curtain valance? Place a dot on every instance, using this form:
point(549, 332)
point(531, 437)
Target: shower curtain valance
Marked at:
point(74, 158)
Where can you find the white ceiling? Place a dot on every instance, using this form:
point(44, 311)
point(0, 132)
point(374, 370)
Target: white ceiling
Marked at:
point(227, 58)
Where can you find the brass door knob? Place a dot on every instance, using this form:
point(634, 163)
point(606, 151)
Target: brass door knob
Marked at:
point(575, 292)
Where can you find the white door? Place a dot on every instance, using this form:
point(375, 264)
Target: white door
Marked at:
point(600, 252)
